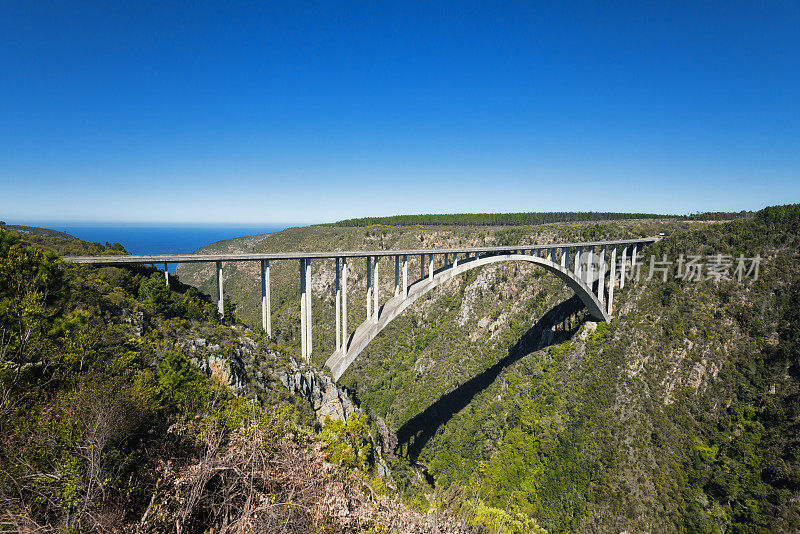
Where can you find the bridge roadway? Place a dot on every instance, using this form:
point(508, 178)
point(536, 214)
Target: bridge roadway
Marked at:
point(581, 265)
point(158, 259)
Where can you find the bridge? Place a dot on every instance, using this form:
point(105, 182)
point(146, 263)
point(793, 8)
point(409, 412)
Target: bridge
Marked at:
point(591, 269)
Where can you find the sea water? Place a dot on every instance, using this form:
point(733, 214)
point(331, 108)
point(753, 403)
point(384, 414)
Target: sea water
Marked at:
point(161, 239)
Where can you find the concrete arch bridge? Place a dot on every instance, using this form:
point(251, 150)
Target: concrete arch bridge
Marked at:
point(591, 269)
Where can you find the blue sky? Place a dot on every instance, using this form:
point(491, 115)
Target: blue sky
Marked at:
point(315, 111)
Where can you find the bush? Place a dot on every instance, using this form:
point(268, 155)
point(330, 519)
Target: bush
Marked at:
point(348, 443)
point(497, 521)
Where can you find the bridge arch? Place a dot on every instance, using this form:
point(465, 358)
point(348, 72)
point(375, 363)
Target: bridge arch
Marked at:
point(340, 360)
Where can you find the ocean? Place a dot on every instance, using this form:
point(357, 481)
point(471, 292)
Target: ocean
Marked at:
point(157, 239)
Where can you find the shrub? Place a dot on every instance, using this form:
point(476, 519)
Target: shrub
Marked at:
point(497, 521)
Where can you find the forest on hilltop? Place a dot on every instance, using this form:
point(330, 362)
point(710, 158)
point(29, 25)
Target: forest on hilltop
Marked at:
point(522, 219)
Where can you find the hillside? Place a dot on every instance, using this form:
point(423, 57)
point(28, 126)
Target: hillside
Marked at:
point(37, 231)
point(680, 415)
point(128, 406)
point(494, 404)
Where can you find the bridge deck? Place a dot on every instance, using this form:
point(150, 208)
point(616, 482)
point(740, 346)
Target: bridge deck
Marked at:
point(196, 258)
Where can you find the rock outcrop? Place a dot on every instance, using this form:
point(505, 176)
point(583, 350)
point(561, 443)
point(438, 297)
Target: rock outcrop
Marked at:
point(326, 398)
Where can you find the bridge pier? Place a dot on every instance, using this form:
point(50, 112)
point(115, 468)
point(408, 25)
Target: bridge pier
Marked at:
point(396, 275)
point(430, 267)
point(622, 267)
point(337, 304)
point(220, 292)
point(633, 259)
point(266, 313)
point(577, 267)
point(308, 309)
point(565, 258)
point(369, 287)
point(166, 275)
point(405, 276)
point(303, 317)
point(601, 282)
point(589, 265)
point(344, 305)
point(612, 279)
point(376, 292)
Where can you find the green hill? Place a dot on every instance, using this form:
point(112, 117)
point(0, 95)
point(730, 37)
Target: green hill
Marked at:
point(681, 415)
point(35, 230)
point(522, 219)
point(121, 398)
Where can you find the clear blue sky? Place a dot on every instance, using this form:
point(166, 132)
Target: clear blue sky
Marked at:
point(311, 111)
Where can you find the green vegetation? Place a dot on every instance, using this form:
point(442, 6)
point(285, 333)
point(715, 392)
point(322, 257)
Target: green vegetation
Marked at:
point(116, 413)
point(682, 415)
point(35, 231)
point(705, 442)
point(348, 442)
point(525, 219)
point(83, 396)
point(495, 520)
point(496, 219)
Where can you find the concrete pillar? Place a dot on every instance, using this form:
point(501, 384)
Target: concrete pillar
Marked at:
point(220, 291)
point(565, 258)
point(549, 254)
point(303, 316)
point(309, 343)
point(405, 276)
point(622, 267)
point(337, 299)
point(421, 266)
point(601, 283)
point(577, 260)
point(376, 291)
point(430, 267)
point(266, 313)
point(166, 275)
point(612, 280)
point(455, 260)
point(369, 287)
point(633, 259)
point(396, 275)
point(590, 266)
point(344, 305)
